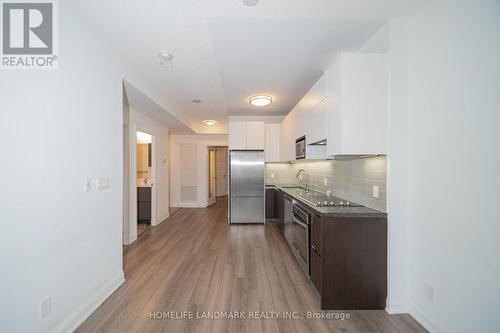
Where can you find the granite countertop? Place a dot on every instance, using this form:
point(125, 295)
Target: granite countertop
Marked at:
point(363, 212)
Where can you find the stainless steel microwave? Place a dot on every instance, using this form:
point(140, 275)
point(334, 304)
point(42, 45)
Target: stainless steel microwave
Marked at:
point(300, 148)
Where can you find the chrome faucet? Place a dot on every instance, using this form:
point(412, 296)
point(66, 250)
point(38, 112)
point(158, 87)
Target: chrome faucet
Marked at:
point(304, 172)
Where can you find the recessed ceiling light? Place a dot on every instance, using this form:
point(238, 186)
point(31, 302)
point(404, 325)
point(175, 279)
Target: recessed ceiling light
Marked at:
point(196, 100)
point(250, 3)
point(210, 122)
point(260, 100)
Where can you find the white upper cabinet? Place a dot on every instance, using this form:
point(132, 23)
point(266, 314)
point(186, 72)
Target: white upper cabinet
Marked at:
point(238, 135)
point(315, 113)
point(315, 95)
point(347, 106)
point(297, 124)
point(246, 135)
point(315, 122)
point(287, 140)
point(256, 135)
point(292, 128)
point(272, 147)
point(357, 104)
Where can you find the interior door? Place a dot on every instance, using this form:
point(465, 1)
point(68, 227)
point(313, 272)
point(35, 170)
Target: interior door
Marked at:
point(221, 171)
point(211, 177)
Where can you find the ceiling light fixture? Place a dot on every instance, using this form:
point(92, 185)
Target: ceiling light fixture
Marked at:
point(250, 3)
point(210, 122)
point(260, 100)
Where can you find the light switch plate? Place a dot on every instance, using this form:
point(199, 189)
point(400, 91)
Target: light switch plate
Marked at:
point(375, 191)
point(272, 176)
point(88, 185)
point(431, 292)
point(325, 181)
point(45, 307)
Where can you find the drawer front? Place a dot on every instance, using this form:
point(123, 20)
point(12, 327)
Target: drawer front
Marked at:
point(316, 234)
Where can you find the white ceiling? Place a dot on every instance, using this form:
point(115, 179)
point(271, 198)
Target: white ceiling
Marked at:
point(225, 51)
point(137, 100)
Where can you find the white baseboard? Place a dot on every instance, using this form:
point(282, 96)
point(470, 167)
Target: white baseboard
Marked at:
point(396, 306)
point(77, 317)
point(399, 306)
point(161, 219)
point(418, 314)
point(189, 205)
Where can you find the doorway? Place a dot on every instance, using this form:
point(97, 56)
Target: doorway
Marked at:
point(212, 197)
point(144, 180)
point(221, 165)
point(217, 173)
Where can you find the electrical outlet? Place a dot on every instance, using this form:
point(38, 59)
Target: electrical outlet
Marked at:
point(375, 191)
point(45, 307)
point(431, 292)
point(325, 181)
point(88, 185)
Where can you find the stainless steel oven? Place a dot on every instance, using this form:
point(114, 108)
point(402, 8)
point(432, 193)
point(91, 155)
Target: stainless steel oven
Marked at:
point(300, 148)
point(301, 236)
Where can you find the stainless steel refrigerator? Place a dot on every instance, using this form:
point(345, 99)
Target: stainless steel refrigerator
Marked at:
point(246, 186)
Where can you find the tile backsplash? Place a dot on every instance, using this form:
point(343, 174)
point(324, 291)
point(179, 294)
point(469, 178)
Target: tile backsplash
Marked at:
point(352, 180)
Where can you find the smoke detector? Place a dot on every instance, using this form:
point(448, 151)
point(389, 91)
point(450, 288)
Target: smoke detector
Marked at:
point(250, 3)
point(165, 57)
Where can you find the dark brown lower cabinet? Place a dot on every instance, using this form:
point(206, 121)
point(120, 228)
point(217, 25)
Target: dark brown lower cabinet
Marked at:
point(275, 206)
point(279, 210)
point(144, 204)
point(316, 270)
point(350, 268)
point(270, 202)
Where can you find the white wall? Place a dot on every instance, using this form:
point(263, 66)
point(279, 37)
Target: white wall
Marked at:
point(202, 142)
point(443, 168)
point(139, 121)
point(56, 128)
point(454, 167)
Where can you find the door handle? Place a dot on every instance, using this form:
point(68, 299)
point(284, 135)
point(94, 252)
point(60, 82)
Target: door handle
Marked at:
point(299, 222)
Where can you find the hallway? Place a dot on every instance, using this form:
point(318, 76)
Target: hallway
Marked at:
point(196, 262)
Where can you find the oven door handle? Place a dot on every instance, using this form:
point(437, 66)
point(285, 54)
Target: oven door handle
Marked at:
point(296, 220)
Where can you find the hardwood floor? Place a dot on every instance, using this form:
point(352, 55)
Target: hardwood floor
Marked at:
point(195, 262)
